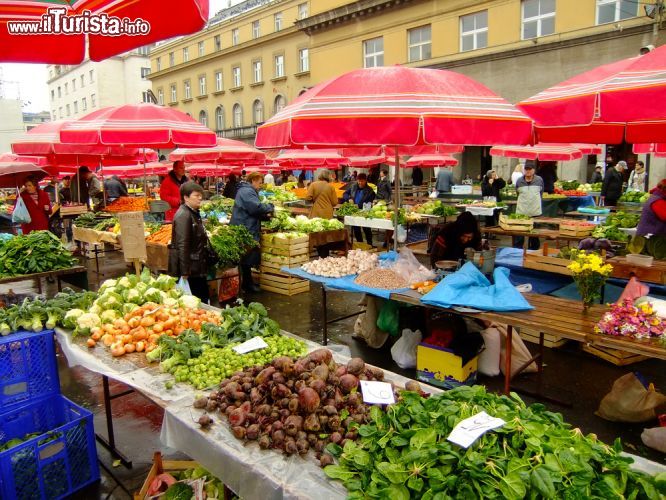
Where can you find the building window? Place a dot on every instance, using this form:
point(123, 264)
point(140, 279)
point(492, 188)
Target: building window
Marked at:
point(202, 85)
point(93, 100)
point(203, 118)
point(236, 74)
point(474, 31)
point(280, 103)
point(420, 46)
point(258, 112)
point(538, 18)
point(174, 95)
point(83, 80)
point(84, 104)
point(67, 109)
point(238, 116)
point(611, 11)
point(186, 54)
point(187, 89)
point(91, 76)
point(373, 52)
point(66, 88)
point(145, 97)
point(172, 59)
point(279, 66)
point(277, 19)
point(303, 10)
point(303, 60)
point(60, 111)
point(158, 64)
point(256, 71)
point(54, 116)
point(73, 84)
point(219, 118)
point(201, 49)
point(76, 107)
point(256, 30)
point(235, 37)
point(160, 97)
point(219, 85)
point(52, 95)
point(145, 72)
point(59, 91)
point(217, 41)
point(144, 50)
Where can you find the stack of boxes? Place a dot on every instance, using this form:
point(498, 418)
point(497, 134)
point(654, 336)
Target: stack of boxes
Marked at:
point(53, 452)
point(277, 253)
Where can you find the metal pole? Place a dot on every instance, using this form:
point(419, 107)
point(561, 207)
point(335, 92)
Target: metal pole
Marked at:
point(397, 198)
point(647, 171)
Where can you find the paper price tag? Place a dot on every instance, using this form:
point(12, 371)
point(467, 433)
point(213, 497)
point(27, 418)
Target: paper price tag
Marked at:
point(377, 392)
point(472, 428)
point(253, 344)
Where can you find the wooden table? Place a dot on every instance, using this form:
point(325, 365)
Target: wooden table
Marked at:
point(656, 273)
point(547, 234)
point(77, 276)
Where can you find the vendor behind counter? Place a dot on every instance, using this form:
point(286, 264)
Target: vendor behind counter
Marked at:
point(449, 241)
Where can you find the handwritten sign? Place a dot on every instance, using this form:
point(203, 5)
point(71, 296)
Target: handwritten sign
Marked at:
point(132, 235)
point(472, 428)
point(253, 344)
point(378, 393)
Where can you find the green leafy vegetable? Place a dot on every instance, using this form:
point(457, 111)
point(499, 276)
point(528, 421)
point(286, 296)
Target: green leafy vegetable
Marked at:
point(37, 252)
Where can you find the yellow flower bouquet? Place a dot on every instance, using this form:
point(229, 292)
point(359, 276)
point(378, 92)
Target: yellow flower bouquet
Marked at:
point(589, 273)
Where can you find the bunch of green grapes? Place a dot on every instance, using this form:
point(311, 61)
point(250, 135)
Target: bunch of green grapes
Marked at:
point(218, 363)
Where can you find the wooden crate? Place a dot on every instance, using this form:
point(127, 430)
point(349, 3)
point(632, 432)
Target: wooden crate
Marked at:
point(286, 250)
point(282, 283)
point(529, 335)
point(269, 239)
point(515, 224)
point(73, 209)
point(282, 260)
point(615, 356)
point(546, 260)
point(572, 229)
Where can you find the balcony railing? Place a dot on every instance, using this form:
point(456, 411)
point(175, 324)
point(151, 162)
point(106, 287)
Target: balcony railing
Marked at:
point(238, 132)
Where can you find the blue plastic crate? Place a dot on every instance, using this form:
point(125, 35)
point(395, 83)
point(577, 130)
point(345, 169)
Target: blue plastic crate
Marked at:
point(53, 465)
point(28, 368)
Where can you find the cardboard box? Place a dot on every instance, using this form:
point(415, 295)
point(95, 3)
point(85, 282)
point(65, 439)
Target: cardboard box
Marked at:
point(442, 368)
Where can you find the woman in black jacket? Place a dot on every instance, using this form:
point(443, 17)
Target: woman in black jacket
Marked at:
point(491, 186)
point(189, 248)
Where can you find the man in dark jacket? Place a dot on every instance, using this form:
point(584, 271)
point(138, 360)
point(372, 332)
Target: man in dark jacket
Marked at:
point(611, 190)
point(79, 186)
point(114, 188)
point(384, 187)
point(417, 176)
point(596, 176)
point(249, 211)
point(547, 172)
point(491, 186)
point(188, 251)
point(360, 193)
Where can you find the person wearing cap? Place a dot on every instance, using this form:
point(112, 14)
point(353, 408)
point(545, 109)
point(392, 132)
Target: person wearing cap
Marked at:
point(597, 175)
point(637, 178)
point(530, 190)
point(611, 190)
point(323, 196)
point(653, 216)
point(170, 189)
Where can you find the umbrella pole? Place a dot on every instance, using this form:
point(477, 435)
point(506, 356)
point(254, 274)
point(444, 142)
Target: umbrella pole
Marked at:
point(397, 198)
point(145, 181)
point(101, 170)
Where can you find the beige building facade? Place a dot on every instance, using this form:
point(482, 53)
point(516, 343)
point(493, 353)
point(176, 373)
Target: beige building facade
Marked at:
point(252, 56)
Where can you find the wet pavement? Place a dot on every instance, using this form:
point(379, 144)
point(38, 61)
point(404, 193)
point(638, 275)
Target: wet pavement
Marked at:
point(569, 374)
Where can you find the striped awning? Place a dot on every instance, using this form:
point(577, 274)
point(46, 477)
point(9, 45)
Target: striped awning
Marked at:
point(226, 151)
point(433, 160)
point(396, 106)
point(544, 152)
point(310, 158)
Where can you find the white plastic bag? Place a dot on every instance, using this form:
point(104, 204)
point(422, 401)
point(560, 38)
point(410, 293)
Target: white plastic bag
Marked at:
point(433, 194)
point(655, 438)
point(402, 234)
point(184, 285)
point(21, 214)
point(403, 351)
point(489, 359)
point(410, 269)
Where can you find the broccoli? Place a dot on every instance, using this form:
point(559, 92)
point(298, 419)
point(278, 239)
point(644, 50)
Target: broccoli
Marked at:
point(54, 315)
point(179, 491)
point(69, 321)
point(176, 351)
point(5, 329)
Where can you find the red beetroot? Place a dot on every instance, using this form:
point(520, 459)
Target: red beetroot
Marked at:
point(308, 400)
point(264, 375)
point(237, 417)
point(348, 383)
point(355, 366)
point(320, 356)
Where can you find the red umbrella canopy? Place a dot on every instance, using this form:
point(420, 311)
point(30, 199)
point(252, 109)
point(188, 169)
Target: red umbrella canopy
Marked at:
point(659, 149)
point(396, 106)
point(148, 21)
point(138, 125)
point(209, 169)
point(310, 159)
point(433, 160)
point(226, 151)
point(133, 171)
point(543, 152)
point(363, 157)
point(14, 173)
point(617, 101)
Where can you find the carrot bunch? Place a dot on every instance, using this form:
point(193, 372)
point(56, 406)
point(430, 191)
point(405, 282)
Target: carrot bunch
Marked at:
point(139, 330)
point(162, 236)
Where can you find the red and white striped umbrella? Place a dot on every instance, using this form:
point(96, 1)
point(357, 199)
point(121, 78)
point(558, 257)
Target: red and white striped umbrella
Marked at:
point(363, 157)
point(308, 159)
point(226, 152)
point(433, 160)
point(138, 170)
point(620, 101)
point(543, 152)
point(658, 149)
point(14, 173)
point(210, 169)
point(138, 125)
point(397, 106)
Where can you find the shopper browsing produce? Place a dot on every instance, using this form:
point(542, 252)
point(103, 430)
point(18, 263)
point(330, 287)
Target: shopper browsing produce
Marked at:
point(231, 187)
point(444, 180)
point(323, 196)
point(248, 211)
point(384, 186)
point(637, 178)
point(597, 176)
point(612, 186)
point(170, 188)
point(360, 193)
point(450, 242)
point(188, 252)
point(38, 204)
point(115, 188)
point(491, 186)
point(530, 190)
point(653, 216)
